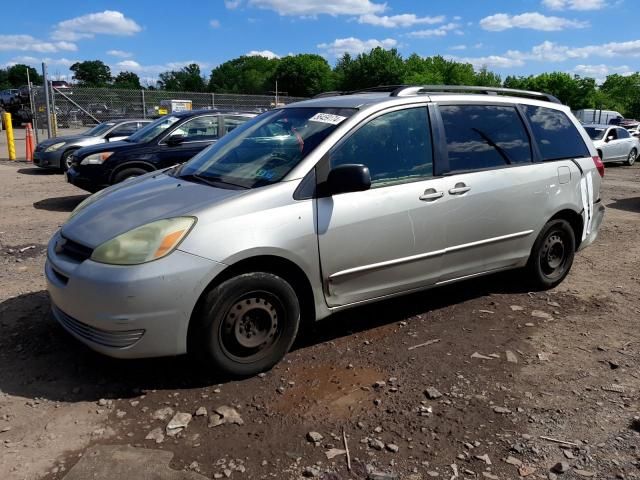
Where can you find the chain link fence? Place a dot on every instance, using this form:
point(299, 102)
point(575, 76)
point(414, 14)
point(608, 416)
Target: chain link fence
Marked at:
point(79, 107)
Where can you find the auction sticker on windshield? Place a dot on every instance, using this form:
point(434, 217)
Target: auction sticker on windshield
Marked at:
point(327, 118)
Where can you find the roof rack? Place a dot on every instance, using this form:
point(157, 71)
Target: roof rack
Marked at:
point(408, 90)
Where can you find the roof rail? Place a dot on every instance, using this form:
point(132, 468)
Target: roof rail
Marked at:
point(408, 90)
point(379, 89)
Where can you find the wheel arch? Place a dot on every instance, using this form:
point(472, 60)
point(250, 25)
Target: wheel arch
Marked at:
point(280, 266)
point(575, 220)
point(149, 167)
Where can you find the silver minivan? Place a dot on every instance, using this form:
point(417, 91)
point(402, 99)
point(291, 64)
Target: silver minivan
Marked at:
point(320, 206)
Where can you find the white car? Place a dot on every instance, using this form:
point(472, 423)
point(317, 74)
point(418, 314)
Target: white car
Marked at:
point(614, 144)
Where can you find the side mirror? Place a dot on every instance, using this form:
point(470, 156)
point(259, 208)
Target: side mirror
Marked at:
point(174, 140)
point(609, 138)
point(348, 178)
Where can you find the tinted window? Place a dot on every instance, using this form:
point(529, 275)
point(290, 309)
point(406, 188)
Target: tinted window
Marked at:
point(198, 129)
point(596, 133)
point(483, 136)
point(622, 133)
point(124, 130)
point(556, 136)
point(395, 146)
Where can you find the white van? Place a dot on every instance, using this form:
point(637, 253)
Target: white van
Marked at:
point(602, 117)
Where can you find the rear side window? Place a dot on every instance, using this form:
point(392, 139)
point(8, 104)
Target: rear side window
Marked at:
point(622, 133)
point(484, 136)
point(556, 136)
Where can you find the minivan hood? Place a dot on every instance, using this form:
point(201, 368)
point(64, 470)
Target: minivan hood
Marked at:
point(137, 202)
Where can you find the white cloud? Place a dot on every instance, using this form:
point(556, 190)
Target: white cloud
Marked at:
point(214, 23)
point(440, 31)
point(152, 71)
point(395, 21)
point(530, 20)
point(574, 4)
point(458, 47)
point(319, 7)
point(129, 65)
point(119, 53)
point(27, 43)
point(108, 22)
point(491, 61)
point(355, 46)
point(232, 4)
point(262, 53)
point(600, 72)
point(36, 62)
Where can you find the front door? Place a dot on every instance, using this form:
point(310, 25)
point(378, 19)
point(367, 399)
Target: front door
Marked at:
point(196, 134)
point(390, 238)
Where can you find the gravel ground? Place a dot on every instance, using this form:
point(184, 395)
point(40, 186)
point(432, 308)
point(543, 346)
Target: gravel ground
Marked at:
point(510, 383)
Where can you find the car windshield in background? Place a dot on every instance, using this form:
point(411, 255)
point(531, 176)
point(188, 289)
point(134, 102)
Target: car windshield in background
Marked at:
point(152, 130)
point(596, 133)
point(264, 150)
point(98, 129)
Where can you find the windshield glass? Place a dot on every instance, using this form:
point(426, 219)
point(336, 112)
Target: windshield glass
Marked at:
point(152, 130)
point(596, 133)
point(265, 149)
point(99, 129)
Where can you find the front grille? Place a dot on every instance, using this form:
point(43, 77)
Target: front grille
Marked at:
point(112, 338)
point(74, 250)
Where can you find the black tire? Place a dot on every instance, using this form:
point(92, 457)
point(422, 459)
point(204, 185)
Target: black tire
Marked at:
point(246, 324)
point(64, 160)
point(128, 173)
point(631, 158)
point(552, 255)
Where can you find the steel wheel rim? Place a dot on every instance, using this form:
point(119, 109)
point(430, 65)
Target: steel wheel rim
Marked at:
point(632, 157)
point(251, 326)
point(553, 256)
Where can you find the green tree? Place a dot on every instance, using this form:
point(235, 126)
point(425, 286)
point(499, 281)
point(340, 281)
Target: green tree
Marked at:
point(187, 79)
point(303, 75)
point(4, 79)
point(17, 75)
point(486, 78)
point(437, 70)
point(91, 73)
point(245, 74)
point(572, 90)
point(127, 80)
point(623, 94)
point(378, 67)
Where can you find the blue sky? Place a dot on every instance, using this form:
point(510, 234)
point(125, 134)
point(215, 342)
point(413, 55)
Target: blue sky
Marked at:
point(587, 37)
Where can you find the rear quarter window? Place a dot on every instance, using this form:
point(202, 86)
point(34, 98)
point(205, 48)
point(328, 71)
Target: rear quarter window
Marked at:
point(555, 134)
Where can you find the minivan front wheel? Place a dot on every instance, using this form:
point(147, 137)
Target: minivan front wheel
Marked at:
point(247, 324)
point(552, 254)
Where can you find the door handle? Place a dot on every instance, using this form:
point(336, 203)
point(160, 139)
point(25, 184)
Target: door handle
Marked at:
point(431, 194)
point(459, 189)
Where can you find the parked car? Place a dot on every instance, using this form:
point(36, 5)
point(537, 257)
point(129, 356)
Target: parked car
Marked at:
point(596, 116)
point(55, 152)
point(9, 97)
point(634, 129)
point(321, 206)
point(614, 144)
point(165, 142)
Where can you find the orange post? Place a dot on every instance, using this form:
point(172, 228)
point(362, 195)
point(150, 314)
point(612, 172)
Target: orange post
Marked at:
point(29, 142)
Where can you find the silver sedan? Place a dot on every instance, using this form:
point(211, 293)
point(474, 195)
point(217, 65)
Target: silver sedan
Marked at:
point(614, 144)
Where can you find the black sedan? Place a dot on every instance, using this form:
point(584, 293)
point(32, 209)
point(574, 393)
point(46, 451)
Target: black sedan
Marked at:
point(169, 140)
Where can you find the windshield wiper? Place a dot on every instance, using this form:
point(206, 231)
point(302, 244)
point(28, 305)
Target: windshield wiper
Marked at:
point(493, 144)
point(211, 181)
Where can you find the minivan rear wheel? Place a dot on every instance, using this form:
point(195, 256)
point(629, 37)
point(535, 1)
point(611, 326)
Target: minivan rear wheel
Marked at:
point(552, 254)
point(246, 324)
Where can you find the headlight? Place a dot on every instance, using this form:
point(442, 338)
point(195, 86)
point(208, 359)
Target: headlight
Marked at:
point(144, 244)
point(96, 158)
point(54, 147)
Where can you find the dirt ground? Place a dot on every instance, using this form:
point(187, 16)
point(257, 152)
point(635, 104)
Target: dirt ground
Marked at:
point(506, 368)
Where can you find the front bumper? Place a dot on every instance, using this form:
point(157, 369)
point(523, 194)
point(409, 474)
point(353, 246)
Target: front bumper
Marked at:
point(47, 159)
point(134, 311)
point(87, 177)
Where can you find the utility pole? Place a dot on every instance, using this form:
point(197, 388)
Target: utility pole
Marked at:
point(45, 79)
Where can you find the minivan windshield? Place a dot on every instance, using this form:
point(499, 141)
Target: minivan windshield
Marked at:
point(596, 133)
point(151, 131)
point(98, 129)
point(265, 149)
